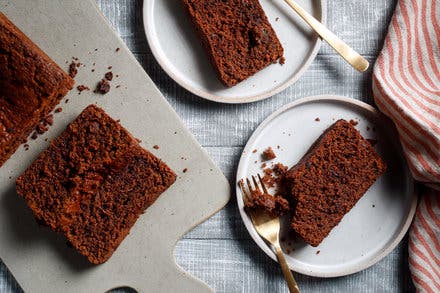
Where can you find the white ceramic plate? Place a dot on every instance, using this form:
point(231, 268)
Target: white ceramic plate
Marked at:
point(176, 47)
point(380, 219)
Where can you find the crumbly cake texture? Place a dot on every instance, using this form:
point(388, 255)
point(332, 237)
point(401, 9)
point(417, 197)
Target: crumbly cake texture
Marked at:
point(92, 183)
point(236, 35)
point(330, 179)
point(275, 205)
point(31, 85)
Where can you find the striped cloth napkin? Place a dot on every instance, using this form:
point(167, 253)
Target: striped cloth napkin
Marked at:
point(406, 87)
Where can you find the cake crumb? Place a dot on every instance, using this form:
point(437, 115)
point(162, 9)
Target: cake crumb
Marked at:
point(263, 165)
point(34, 135)
point(82, 87)
point(373, 206)
point(109, 75)
point(353, 122)
point(282, 60)
point(277, 18)
point(318, 252)
point(254, 151)
point(156, 147)
point(185, 170)
point(117, 49)
point(317, 119)
point(102, 87)
point(268, 154)
point(110, 67)
point(58, 110)
point(73, 70)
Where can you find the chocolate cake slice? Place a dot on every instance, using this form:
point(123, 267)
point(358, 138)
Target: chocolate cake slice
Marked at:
point(31, 85)
point(330, 179)
point(237, 36)
point(92, 183)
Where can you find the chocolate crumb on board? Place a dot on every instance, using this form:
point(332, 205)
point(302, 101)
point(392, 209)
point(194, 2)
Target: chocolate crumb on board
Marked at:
point(93, 70)
point(102, 87)
point(34, 135)
point(254, 151)
point(353, 122)
point(73, 69)
point(185, 170)
point(117, 49)
point(317, 119)
point(82, 87)
point(373, 206)
point(109, 75)
point(110, 67)
point(268, 154)
point(282, 60)
point(66, 101)
point(318, 252)
point(118, 86)
point(156, 147)
point(48, 120)
point(58, 110)
point(263, 165)
point(277, 18)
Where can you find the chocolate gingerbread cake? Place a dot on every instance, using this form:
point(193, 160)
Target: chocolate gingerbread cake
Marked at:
point(330, 179)
point(31, 85)
point(236, 35)
point(92, 183)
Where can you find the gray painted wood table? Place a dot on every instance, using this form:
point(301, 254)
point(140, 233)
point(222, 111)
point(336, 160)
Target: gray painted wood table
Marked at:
point(220, 251)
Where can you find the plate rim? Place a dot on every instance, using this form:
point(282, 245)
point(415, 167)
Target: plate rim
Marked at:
point(262, 244)
point(215, 98)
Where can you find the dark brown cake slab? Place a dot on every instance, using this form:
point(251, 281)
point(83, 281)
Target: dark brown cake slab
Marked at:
point(236, 35)
point(329, 180)
point(31, 85)
point(92, 183)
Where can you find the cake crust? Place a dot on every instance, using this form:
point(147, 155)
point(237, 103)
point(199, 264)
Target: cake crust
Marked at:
point(92, 183)
point(31, 85)
point(329, 180)
point(236, 35)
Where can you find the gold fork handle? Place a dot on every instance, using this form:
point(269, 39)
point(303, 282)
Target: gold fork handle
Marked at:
point(350, 55)
point(291, 283)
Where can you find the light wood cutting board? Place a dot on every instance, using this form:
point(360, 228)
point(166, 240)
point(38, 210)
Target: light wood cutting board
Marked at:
point(40, 259)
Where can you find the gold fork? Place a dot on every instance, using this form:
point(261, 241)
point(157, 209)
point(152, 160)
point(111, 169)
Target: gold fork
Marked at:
point(268, 227)
point(351, 56)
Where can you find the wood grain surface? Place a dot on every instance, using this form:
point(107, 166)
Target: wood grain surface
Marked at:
point(220, 251)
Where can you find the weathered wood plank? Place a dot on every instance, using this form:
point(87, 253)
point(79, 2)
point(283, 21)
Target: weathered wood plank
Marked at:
point(232, 266)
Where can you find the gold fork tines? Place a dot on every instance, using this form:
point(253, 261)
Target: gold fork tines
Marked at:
point(267, 226)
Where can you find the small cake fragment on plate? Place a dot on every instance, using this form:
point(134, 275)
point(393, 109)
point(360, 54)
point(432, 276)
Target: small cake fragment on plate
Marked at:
point(330, 179)
point(31, 85)
point(268, 154)
point(92, 183)
point(236, 35)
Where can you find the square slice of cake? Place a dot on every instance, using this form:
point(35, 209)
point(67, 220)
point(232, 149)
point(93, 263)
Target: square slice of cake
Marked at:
point(31, 85)
point(92, 183)
point(236, 35)
point(329, 180)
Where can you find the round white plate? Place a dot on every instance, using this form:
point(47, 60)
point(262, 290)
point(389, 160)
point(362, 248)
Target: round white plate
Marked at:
point(174, 43)
point(380, 219)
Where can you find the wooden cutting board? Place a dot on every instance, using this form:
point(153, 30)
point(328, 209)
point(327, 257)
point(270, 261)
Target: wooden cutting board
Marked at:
point(40, 259)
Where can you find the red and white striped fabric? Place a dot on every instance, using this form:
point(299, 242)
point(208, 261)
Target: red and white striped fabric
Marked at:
point(406, 87)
